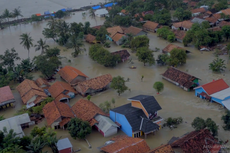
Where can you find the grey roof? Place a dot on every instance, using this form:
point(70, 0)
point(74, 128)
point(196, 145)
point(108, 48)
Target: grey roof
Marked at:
point(134, 117)
point(104, 123)
point(15, 123)
point(149, 102)
point(63, 144)
point(173, 139)
point(197, 20)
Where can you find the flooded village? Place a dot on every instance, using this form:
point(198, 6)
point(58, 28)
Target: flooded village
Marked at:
point(138, 116)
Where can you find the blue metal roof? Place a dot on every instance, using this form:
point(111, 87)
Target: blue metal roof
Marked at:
point(110, 4)
point(63, 10)
point(96, 7)
point(46, 12)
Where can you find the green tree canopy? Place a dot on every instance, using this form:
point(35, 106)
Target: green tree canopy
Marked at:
point(182, 14)
point(159, 86)
point(27, 42)
point(101, 35)
point(217, 65)
point(139, 41)
point(166, 34)
point(226, 119)
point(118, 83)
point(145, 55)
point(7, 60)
point(177, 57)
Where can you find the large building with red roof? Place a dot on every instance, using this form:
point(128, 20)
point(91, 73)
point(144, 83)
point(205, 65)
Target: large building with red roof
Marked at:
point(216, 91)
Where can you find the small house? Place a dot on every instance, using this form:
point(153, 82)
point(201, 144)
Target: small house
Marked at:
point(195, 141)
point(118, 37)
point(179, 34)
point(91, 39)
point(204, 48)
point(197, 20)
point(88, 111)
point(181, 79)
point(72, 75)
point(42, 83)
point(64, 146)
point(150, 26)
point(57, 114)
point(116, 34)
point(214, 19)
point(140, 117)
point(226, 11)
point(224, 23)
point(170, 47)
point(124, 54)
point(101, 12)
point(216, 91)
point(196, 12)
point(125, 144)
point(16, 123)
point(134, 31)
point(7, 97)
point(30, 93)
point(62, 91)
point(184, 25)
point(94, 85)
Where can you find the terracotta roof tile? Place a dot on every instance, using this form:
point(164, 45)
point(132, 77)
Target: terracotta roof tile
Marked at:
point(64, 122)
point(215, 86)
point(58, 88)
point(192, 3)
point(124, 11)
point(147, 12)
point(214, 18)
point(90, 38)
point(162, 149)
point(223, 23)
point(6, 94)
point(226, 11)
point(124, 54)
point(132, 30)
point(125, 144)
point(86, 110)
point(97, 27)
point(118, 36)
point(94, 84)
point(151, 25)
point(113, 30)
point(69, 73)
point(54, 110)
point(185, 24)
point(215, 29)
point(184, 79)
point(195, 141)
point(42, 83)
point(198, 10)
point(170, 47)
point(179, 34)
point(28, 89)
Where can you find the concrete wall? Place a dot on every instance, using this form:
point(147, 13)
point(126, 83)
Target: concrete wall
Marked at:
point(121, 119)
point(78, 79)
point(111, 131)
point(138, 104)
point(109, 38)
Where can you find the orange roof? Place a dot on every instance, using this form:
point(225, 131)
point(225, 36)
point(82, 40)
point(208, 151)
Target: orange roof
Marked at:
point(150, 25)
point(69, 73)
point(28, 89)
point(58, 88)
point(223, 23)
point(162, 149)
point(133, 30)
point(90, 38)
point(215, 86)
point(40, 82)
point(6, 94)
point(198, 10)
point(226, 11)
point(125, 144)
point(179, 34)
point(54, 110)
point(215, 29)
point(124, 11)
point(86, 110)
point(94, 83)
point(185, 24)
point(38, 14)
point(118, 36)
point(113, 30)
point(170, 47)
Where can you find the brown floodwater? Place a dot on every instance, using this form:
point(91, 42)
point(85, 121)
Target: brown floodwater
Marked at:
point(174, 101)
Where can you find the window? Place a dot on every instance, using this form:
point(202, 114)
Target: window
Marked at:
point(136, 135)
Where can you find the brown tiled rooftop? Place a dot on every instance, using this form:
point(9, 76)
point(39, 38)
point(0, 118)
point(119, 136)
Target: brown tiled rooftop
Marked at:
point(69, 73)
point(90, 38)
point(170, 47)
point(179, 34)
point(113, 30)
point(198, 10)
point(162, 149)
point(195, 141)
point(94, 83)
point(223, 23)
point(86, 110)
point(132, 30)
point(125, 144)
point(226, 11)
point(150, 25)
point(185, 24)
point(118, 36)
point(54, 110)
point(42, 82)
point(122, 53)
point(6, 94)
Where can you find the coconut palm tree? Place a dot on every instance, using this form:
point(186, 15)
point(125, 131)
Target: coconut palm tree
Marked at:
point(76, 43)
point(173, 4)
point(36, 146)
point(26, 42)
point(17, 12)
point(41, 45)
point(92, 15)
point(51, 142)
point(7, 14)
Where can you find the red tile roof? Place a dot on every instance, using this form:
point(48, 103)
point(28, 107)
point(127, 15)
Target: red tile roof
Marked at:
point(226, 11)
point(86, 110)
point(125, 144)
point(69, 73)
point(215, 29)
point(223, 23)
point(55, 110)
point(198, 10)
point(118, 36)
point(124, 54)
point(185, 24)
point(58, 88)
point(179, 34)
point(6, 94)
point(151, 25)
point(132, 30)
point(195, 141)
point(170, 47)
point(114, 30)
point(215, 86)
point(90, 38)
point(94, 84)
point(162, 149)
point(42, 83)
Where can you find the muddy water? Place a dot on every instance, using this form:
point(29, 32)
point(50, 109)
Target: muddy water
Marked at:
point(174, 101)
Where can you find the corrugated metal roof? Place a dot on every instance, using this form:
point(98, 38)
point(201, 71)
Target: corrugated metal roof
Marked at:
point(63, 144)
point(221, 94)
point(227, 103)
point(104, 123)
point(101, 11)
point(96, 7)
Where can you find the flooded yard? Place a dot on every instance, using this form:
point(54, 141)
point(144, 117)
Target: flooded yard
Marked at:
point(174, 101)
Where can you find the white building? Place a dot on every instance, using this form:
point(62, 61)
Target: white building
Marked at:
point(101, 12)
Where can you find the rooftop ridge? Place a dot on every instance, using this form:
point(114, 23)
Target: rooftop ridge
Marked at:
point(128, 146)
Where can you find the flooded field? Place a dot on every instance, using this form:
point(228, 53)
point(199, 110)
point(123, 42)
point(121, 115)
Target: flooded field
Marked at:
point(174, 101)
